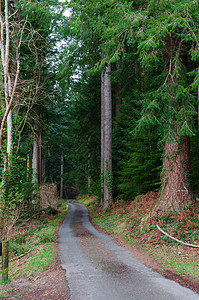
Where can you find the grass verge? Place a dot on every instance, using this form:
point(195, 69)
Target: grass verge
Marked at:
point(32, 248)
point(136, 224)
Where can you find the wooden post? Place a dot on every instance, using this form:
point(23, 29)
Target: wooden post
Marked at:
point(5, 261)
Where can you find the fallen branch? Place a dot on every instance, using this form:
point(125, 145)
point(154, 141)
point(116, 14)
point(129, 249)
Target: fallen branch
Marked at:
point(20, 256)
point(190, 245)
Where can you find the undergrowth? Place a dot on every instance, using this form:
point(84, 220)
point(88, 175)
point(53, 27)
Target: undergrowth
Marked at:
point(35, 240)
point(136, 222)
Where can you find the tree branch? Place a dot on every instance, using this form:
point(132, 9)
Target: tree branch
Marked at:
point(171, 237)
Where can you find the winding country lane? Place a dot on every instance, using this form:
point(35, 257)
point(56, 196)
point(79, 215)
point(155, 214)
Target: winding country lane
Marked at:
point(98, 269)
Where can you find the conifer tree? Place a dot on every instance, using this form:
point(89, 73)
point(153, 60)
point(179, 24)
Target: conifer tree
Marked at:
point(172, 39)
point(165, 37)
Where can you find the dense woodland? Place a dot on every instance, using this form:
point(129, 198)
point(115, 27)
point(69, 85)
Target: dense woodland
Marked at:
point(100, 97)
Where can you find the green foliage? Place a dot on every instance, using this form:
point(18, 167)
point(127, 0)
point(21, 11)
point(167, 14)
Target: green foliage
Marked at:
point(17, 191)
point(155, 46)
point(111, 222)
point(42, 234)
point(83, 133)
point(46, 235)
point(141, 167)
point(195, 164)
point(136, 150)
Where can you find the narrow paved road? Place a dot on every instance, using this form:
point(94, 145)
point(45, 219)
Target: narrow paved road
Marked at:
point(98, 269)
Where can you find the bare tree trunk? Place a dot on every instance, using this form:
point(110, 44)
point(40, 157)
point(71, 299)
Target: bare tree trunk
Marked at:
point(43, 170)
point(175, 194)
point(37, 153)
point(102, 138)
point(27, 166)
point(9, 135)
point(35, 157)
point(40, 158)
point(13, 70)
point(107, 138)
point(62, 180)
point(10, 77)
point(34, 161)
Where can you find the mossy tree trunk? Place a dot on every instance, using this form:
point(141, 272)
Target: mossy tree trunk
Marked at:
point(175, 193)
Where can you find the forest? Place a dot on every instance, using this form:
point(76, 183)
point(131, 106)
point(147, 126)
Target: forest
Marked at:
point(100, 98)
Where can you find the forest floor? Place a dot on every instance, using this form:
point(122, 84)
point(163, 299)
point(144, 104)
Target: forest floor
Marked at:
point(38, 275)
point(47, 284)
point(133, 227)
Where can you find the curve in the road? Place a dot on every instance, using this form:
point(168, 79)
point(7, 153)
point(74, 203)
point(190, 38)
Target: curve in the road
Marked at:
point(99, 269)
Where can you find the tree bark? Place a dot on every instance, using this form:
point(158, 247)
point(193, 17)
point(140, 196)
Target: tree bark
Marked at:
point(35, 157)
point(43, 170)
point(37, 153)
point(107, 138)
point(175, 194)
point(40, 175)
point(102, 138)
point(9, 135)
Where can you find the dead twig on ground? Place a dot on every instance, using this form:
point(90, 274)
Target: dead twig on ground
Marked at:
point(20, 256)
point(171, 237)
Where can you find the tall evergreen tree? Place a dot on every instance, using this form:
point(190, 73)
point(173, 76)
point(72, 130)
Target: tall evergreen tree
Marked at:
point(164, 35)
point(175, 45)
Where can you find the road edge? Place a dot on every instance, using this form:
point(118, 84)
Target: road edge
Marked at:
point(148, 260)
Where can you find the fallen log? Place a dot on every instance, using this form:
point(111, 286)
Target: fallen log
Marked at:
point(171, 237)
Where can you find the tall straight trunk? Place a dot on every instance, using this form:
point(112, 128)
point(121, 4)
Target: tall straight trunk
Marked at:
point(35, 157)
point(37, 153)
point(9, 135)
point(13, 72)
point(107, 145)
point(102, 138)
point(35, 160)
point(40, 177)
point(43, 170)
point(28, 167)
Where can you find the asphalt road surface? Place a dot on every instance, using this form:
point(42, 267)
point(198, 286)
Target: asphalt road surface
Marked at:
point(99, 269)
